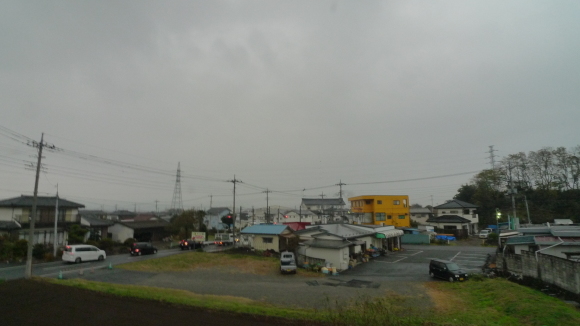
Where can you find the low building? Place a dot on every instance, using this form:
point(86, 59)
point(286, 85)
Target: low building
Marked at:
point(420, 215)
point(142, 231)
point(381, 210)
point(276, 237)
point(451, 224)
point(339, 244)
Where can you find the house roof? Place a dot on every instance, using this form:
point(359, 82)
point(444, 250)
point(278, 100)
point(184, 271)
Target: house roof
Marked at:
point(448, 219)
point(217, 210)
point(93, 221)
point(273, 229)
point(341, 230)
point(456, 203)
point(41, 201)
point(145, 224)
point(419, 210)
point(528, 239)
point(297, 225)
point(329, 244)
point(321, 202)
point(9, 225)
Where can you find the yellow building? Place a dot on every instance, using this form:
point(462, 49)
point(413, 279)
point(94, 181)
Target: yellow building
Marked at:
point(381, 210)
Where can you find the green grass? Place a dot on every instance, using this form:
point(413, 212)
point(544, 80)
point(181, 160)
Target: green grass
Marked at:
point(202, 260)
point(500, 302)
point(182, 297)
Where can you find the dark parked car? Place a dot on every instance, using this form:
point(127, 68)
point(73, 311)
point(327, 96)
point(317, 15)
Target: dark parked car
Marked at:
point(446, 270)
point(189, 244)
point(142, 248)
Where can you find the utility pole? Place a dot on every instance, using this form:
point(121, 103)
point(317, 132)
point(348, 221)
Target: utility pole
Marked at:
point(527, 210)
point(234, 181)
point(210, 200)
point(40, 146)
point(55, 223)
point(322, 207)
point(512, 192)
point(267, 206)
point(340, 184)
point(156, 210)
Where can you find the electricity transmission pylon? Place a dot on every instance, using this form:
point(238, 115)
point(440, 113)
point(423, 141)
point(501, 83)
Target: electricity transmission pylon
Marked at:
point(177, 202)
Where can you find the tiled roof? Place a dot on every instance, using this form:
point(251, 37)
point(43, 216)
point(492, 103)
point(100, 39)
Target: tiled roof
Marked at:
point(93, 221)
point(455, 203)
point(448, 219)
point(41, 201)
point(528, 239)
point(9, 225)
point(323, 202)
point(274, 229)
point(145, 224)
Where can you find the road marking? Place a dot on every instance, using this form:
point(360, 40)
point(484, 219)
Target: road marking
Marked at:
point(455, 256)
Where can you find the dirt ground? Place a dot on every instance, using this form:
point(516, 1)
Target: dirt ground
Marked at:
point(34, 302)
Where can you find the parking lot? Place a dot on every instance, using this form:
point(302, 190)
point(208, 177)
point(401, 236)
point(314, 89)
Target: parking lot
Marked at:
point(412, 263)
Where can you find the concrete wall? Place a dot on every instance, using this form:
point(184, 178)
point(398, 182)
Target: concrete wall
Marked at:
point(553, 270)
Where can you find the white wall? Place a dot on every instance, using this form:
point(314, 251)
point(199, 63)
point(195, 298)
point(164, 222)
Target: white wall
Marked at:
point(337, 257)
point(120, 232)
point(8, 214)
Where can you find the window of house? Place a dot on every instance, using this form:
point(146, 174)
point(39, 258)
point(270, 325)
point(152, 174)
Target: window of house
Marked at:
point(380, 202)
point(401, 217)
point(380, 217)
point(396, 202)
point(453, 212)
point(466, 211)
point(267, 240)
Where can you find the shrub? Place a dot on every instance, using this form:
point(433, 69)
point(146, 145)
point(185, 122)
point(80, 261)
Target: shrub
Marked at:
point(107, 244)
point(38, 251)
point(129, 241)
point(20, 249)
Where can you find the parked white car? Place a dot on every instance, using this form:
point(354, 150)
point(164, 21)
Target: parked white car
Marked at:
point(79, 253)
point(483, 234)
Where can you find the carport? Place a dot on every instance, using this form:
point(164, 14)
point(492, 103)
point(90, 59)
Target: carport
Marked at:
point(391, 239)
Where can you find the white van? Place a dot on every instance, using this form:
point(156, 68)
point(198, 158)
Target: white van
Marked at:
point(79, 253)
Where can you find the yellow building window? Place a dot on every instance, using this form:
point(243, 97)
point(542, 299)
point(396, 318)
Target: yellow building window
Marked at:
point(396, 202)
point(380, 217)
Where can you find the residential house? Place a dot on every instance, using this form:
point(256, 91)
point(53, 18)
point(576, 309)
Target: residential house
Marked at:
point(338, 244)
point(213, 217)
point(153, 230)
point(420, 215)
point(324, 207)
point(462, 209)
point(451, 224)
point(98, 227)
point(381, 210)
point(264, 237)
point(298, 216)
point(16, 212)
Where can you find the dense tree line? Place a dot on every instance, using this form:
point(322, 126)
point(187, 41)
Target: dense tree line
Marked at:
point(548, 180)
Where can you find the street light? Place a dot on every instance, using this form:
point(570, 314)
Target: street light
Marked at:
point(497, 216)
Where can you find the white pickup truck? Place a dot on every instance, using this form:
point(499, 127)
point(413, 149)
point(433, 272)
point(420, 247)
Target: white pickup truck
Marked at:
point(287, 263)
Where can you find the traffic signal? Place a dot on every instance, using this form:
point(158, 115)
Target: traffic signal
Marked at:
point(497, 213)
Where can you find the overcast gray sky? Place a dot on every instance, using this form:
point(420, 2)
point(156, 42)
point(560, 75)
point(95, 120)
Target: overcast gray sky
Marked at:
point(291, 96)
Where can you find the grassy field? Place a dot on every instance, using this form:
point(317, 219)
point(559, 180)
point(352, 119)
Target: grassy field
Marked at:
point(489, 302)
point(202, 260)
point(476, 302)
